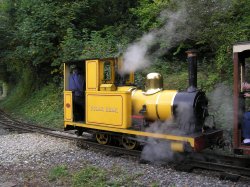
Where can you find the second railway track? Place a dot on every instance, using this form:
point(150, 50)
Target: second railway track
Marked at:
point(231, 165)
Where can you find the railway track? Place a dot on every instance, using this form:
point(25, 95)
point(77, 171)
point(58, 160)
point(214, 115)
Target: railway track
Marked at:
point(8, 122)
point(231, 167)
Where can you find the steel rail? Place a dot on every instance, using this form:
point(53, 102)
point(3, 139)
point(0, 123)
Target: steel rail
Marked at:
point(221, 167)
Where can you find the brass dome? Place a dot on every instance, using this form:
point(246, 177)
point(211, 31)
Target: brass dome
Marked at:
point(154, 83)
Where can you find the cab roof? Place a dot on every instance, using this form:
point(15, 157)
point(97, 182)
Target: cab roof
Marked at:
point(83, 60)
point(242, 46)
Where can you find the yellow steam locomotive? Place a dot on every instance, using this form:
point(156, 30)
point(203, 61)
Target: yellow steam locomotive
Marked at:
point(113, 107)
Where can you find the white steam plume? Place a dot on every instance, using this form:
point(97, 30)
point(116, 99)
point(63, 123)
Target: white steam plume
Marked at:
point(179, 26)
point(156, 150)
point(221, 105)
point(135, 57)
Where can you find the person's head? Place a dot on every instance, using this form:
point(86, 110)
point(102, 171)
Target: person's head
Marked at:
point(74, 69)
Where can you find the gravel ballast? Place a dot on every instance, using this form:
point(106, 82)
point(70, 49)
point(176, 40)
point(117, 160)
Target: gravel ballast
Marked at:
point(26, 159)
point(3, 132)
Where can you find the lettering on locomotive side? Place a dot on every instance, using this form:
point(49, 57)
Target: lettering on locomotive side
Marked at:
point(110, 109)
point(96, 108)
point(103, 109)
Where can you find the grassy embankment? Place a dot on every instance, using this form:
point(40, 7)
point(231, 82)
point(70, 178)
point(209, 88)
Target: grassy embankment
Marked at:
point(43, 106)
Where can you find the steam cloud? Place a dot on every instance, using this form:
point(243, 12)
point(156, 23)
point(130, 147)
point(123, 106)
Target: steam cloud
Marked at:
point(156, 150)
point(221, 105)
point(179, 26)
point(136, 56)
point(186, 118)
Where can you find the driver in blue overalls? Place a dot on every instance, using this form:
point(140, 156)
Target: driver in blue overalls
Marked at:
point(76, 85)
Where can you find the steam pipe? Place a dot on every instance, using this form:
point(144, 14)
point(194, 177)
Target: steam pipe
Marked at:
point(192, 69)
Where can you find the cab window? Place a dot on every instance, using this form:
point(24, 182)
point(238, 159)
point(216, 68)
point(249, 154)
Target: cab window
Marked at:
point(107, 71)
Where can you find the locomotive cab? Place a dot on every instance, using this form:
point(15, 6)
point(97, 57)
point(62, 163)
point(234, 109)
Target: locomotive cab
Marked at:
point(72, 112)
point(241, 59)
point(102, 75)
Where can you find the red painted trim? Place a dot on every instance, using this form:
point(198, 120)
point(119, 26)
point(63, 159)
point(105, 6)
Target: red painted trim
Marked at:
point(206, 140)
point(137, 117)
point(199, 143)
point(246, 152)
point(245, 149)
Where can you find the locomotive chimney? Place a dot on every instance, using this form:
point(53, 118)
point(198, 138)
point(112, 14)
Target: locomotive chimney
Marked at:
point(192, 70)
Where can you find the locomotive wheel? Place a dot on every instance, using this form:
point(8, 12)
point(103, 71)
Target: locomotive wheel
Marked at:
point(128, 143)
point(102, 138)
